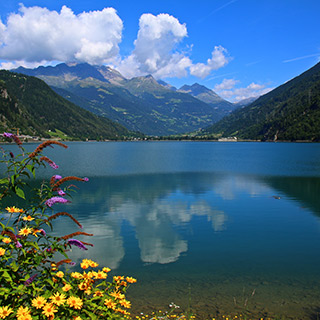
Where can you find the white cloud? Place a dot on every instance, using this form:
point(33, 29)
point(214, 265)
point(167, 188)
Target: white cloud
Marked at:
point(226, 89)
point(36, 34)
point(155, 48)
point(217, 61)
point(226, 84)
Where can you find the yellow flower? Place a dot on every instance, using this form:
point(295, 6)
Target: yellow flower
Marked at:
point(6, 240)
point(25, 231)
point(125, 303)
point(110, 304)
point(14, 209)
point(23, 313)
point(60, 274)
point(39, 302)
point(2, 251)
point(117, 295)
point(84, 265)
point(75, 302)
point(98, 294)
point(131, 280)
point(93, 264)
point(66, 287)
point(4, 312)
point(100, 275)
point(27, 218)
point(49, 309)
point(106, 270)
point(83, 286)
point(58, 298)
point(78, 318)
point(76, 275)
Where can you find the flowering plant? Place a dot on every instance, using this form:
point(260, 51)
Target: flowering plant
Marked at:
point(33, 283)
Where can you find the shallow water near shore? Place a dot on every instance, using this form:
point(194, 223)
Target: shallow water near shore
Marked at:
point(221, 228)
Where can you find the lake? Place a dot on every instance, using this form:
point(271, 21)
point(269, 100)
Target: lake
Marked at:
point(222, 228)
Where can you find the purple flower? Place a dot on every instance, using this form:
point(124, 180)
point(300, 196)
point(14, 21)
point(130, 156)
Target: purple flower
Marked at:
point(57, 177)
point(53, 165)
point(49, 249)
point(30, 280)
point(72, 263)
point(8, 135)
point(50, 202)
point(61, 192)
point(18, 244)
point(85, 179)
point(77, 243)
point(43, 232)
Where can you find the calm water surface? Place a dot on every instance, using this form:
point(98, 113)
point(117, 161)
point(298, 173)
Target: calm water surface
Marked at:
point(220, 227)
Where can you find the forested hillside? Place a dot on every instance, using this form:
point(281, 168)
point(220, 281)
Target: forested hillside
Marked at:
point(32, 106)
point(289, 112)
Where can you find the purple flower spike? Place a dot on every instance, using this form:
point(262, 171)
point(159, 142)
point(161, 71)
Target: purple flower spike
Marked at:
point(50, 202)
point(8, 135)
point(72, 263)
point(30, 280)
point(18, 244)
point(85, 179)
point(57, 177)
point(43, 232)
point(61, 192)
point(53, 165)
point(77, 243)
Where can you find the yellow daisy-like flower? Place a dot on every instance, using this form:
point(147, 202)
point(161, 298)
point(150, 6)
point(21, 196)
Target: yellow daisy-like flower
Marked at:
point(84, 265)
point(93, 264)
point(4, 312)
point(131, 280)
point(75, 302)
point(27, 218)
point(39, 302)
point(125, 303)
point(83, 286)
point(60, 274)
point(101, 275)
point(58, 298)
point(76, 275)
point(14, 209)
point(49, 309)
point(106, 270)
point(98, 294)
point(23, 313)
point(2, 251)
point(25, 231)
point(78, 318)
point(66, 287)
point(6, 240)
point(110, 303)
point(117, 295)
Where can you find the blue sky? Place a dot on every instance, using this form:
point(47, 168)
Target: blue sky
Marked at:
point(238, 48)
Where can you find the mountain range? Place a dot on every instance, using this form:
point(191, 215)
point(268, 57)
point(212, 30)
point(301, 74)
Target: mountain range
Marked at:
point(140, 104)
point(289, 112)
point(28, 104)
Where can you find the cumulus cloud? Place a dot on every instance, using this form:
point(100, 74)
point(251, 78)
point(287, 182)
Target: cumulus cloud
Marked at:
point(37, 34)
point(155, 48)
point(218, 60)
point(227, 90)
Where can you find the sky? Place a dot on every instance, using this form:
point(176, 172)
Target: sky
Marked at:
point(238, 48)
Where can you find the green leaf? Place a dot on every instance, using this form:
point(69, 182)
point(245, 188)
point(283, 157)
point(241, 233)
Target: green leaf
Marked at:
point(30, 167)
point(20, 193)
point(3, 180)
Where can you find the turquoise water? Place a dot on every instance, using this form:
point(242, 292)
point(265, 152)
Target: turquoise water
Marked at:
point(218, 227)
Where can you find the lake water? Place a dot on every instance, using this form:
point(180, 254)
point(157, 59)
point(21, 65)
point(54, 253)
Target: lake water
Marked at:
point(222, 228)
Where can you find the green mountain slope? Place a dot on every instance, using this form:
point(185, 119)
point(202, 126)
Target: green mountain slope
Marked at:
point(221, 106)
point(140, 104)
point(289, 112)
point(32, 106)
